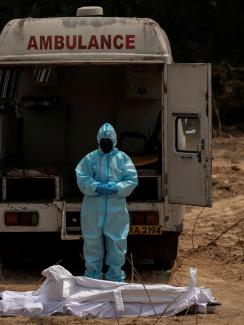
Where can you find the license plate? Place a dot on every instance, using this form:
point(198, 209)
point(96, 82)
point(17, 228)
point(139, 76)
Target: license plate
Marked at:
point(146, 230)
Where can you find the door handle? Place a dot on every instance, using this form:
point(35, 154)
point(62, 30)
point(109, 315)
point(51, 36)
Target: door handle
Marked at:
point(200, 147)
point(186, 156)
point(199, 156)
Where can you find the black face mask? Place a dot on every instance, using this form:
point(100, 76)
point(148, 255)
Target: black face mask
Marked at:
point(106, 145)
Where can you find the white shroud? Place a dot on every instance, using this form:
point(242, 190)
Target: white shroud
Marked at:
point(62, 292)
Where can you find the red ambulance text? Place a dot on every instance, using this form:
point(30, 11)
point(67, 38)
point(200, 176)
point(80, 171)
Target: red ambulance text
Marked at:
point(71, 42)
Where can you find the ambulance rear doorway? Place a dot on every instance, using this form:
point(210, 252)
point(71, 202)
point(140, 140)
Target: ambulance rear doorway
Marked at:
point(65, 107)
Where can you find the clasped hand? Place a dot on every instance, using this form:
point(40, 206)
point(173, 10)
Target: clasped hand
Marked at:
point(106, 189)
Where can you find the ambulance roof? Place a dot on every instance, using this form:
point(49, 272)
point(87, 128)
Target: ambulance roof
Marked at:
point(74, 40)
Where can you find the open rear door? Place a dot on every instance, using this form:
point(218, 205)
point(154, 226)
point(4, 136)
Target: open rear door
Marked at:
point(187, 103)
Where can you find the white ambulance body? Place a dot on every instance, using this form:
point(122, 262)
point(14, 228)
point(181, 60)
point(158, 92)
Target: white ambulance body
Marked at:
point(60, 80)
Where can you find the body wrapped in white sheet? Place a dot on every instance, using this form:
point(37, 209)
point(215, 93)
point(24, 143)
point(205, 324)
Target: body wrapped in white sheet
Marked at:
point(64, 293)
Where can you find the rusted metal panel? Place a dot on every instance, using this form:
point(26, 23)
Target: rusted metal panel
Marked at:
point(84, 39)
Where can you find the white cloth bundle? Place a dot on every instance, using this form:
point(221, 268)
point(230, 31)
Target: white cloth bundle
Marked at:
point(64, 293)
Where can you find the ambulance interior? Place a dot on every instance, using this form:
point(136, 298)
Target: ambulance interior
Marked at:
point(49, 118)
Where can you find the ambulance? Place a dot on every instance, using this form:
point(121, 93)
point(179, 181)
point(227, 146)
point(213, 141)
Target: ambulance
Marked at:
point(60, 80)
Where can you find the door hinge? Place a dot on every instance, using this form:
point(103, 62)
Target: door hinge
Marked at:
point(165, 179)
point(206, 98)
point(165, 88)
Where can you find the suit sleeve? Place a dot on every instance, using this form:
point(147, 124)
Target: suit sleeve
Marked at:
point(129, 180)
point(84, 176)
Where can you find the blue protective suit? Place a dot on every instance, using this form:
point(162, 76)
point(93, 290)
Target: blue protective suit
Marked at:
point(105, 217)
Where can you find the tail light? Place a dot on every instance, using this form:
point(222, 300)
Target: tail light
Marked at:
point(15, 218)
point(144, 218)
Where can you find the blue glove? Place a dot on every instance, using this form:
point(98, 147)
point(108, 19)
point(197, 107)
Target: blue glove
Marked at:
point(106, 189)
point(113, 187)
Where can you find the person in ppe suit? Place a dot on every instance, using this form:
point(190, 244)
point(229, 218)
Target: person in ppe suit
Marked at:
point(106, 177)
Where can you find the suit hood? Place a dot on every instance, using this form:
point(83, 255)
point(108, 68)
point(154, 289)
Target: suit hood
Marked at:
point(107, 131)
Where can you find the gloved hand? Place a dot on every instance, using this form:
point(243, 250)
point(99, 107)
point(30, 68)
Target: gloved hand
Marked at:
point(106, 189)
point(114, 187)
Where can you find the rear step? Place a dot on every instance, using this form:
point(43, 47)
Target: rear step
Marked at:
point(70, 229)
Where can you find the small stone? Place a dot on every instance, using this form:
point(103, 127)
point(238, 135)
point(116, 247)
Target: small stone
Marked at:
point(235, 168)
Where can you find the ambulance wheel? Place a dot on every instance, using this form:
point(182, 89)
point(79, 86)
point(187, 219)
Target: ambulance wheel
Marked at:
point(163, 264)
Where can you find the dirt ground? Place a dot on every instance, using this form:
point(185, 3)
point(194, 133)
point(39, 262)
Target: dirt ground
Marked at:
point(209, 242)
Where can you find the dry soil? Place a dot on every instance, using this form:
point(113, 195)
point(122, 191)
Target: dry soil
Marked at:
point(209, 242)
